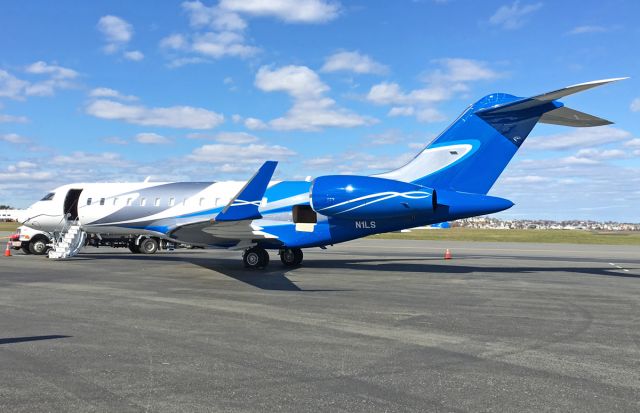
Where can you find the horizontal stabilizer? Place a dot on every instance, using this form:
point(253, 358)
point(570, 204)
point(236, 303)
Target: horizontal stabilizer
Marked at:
point(245, 204)
point(539, 100)
point(571, 117)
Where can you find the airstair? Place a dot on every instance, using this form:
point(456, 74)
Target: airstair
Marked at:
point(68, 242)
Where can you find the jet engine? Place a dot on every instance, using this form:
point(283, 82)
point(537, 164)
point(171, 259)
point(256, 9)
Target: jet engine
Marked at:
point(365, 197)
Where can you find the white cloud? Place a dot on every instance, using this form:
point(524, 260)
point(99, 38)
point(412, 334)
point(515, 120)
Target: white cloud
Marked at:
point(226, 137)
point(228, 154)
point(105, 92)
point(115, 140)
point(588, 29)
point(215, 17)
point(116, 31)
point(635, 105)
point(13, 138)
point(219, 30)
point(11, 86)
point(527, 179)
point(174, 41)
point(221, 44)
point(235, 137)
point(134, 55)
point(429, 115)
point(514, 15)
point(83, 158)
point(311, 110)
point(633, 143)
point(291, 11)
point(353, 62)
point(151, 138)
point(254, 123)
point(577, 160)
point(401, 111)
point(601, 154)
point(58, 78)
point(452, 76)
point(174, 117)
point(578, 138)
point(4, 118)
point(387, 137)
point(298, 81)
point(12, 176)
point(219, 33)
point(56, 72)
point(456, 70)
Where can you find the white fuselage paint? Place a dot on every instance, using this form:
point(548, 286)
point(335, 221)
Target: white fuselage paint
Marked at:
point(429, 161)
point(111, 198)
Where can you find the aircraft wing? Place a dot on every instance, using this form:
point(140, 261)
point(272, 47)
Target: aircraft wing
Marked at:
point(233, 225)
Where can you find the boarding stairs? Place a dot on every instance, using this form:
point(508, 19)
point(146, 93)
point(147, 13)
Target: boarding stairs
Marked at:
point(68, 242)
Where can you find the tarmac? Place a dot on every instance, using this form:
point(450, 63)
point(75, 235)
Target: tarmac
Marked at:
point(370, 325)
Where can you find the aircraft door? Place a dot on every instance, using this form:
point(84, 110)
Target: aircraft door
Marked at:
point(71, 203)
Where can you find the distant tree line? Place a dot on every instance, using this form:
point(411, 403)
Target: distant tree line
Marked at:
point(5, 207)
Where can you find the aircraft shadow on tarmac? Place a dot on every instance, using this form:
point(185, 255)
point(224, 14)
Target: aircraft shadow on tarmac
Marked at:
point(275, 276)
point(13, 340)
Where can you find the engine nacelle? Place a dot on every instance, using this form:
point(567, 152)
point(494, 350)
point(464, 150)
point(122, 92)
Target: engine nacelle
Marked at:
point(364, 197)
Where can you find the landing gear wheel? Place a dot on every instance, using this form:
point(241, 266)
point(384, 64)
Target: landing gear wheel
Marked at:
point(255, 257)
point(134, 248)
point(25, 248)
point(38, 246)
point(291, 257)
point(149, 246)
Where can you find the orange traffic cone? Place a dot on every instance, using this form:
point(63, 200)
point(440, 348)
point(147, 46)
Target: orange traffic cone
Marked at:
point(447, 254)
point(7, 252)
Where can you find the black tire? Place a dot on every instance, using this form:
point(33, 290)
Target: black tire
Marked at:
point(291, 257)
point(25, 247)
point(38, 245)
point(134, 248)
point(148, 246)
point(255, 258)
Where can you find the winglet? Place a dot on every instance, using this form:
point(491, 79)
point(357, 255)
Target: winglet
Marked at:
point(245, 204)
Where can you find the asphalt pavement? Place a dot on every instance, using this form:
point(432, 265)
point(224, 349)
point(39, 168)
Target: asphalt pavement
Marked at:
point(371, 325)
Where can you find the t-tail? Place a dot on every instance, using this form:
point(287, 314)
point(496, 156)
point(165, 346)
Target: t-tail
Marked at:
point(470, 155)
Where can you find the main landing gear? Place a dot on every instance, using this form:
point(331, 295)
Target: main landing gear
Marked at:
point(255, 257)
point(291, 257)
point(258, 257)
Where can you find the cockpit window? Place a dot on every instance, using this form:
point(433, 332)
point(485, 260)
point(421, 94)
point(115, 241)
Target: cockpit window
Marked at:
point(48, 197)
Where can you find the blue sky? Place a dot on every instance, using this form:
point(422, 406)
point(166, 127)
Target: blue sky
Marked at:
point(118, 91)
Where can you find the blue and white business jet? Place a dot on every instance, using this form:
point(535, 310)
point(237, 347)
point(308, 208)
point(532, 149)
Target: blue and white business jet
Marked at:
point(447, 180)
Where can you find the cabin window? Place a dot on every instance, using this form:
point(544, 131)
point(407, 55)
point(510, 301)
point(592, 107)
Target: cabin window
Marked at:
point(88, 201)
point(172, 201)
point(129, 201)
point(143, 201)
point(101, 201)
point(115, 201)
point(201, 201)
point(157, 202)
point(48, 197)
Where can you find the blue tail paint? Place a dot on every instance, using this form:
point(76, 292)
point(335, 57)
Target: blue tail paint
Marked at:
point(470, 155)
